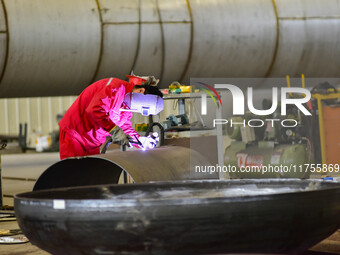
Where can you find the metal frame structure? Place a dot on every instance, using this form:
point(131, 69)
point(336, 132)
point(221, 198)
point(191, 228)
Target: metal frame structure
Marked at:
point(319, 98)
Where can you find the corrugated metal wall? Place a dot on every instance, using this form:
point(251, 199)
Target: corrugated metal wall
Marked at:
point(40, 113)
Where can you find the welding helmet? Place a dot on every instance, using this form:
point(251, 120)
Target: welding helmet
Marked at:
point(145, 104)
point(142, 80)
point(136, 80)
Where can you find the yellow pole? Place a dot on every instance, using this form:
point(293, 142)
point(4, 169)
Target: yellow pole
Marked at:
point(288, 84)
point(288, 81)
point(303, 81)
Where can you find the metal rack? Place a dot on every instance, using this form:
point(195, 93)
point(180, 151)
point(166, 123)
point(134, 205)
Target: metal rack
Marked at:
point(319, 98)
point(181, 110)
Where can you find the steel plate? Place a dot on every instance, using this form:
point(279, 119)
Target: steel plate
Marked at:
point(191, 217)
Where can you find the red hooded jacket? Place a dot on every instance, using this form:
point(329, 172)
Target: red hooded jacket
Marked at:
point(87, 123)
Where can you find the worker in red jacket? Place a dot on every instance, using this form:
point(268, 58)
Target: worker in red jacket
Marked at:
point(105, 106)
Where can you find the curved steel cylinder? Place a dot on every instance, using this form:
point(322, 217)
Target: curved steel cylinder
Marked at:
point(51, 48)
point(160, 164)
point(202, 217)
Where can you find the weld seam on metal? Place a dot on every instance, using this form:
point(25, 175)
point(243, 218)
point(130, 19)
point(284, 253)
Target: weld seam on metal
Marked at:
point(186, 67)
point(139, 36)
point(19, 179)
point(101, 42)
point(276, 49)
point(162, 40)
point(146, 22)
point(7, 42)
point(310, 18)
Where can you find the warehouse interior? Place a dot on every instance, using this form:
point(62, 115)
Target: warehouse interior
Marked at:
point(187, 127)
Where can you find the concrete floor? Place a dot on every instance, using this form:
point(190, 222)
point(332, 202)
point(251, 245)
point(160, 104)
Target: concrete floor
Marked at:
point(18, 249)
point(19, 173)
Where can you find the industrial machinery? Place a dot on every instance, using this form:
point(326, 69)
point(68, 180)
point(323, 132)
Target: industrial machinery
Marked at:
point(272, 146)
point(326, 122)
point(269, 158)
point(283, 150)
point(179, 121)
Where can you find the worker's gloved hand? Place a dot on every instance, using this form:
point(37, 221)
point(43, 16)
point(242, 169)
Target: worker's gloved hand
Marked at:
point(119, 137)
point(134, 142)
point(149, 142)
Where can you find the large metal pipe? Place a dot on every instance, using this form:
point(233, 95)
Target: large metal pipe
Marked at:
point(50, 48)
point(161, 164)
